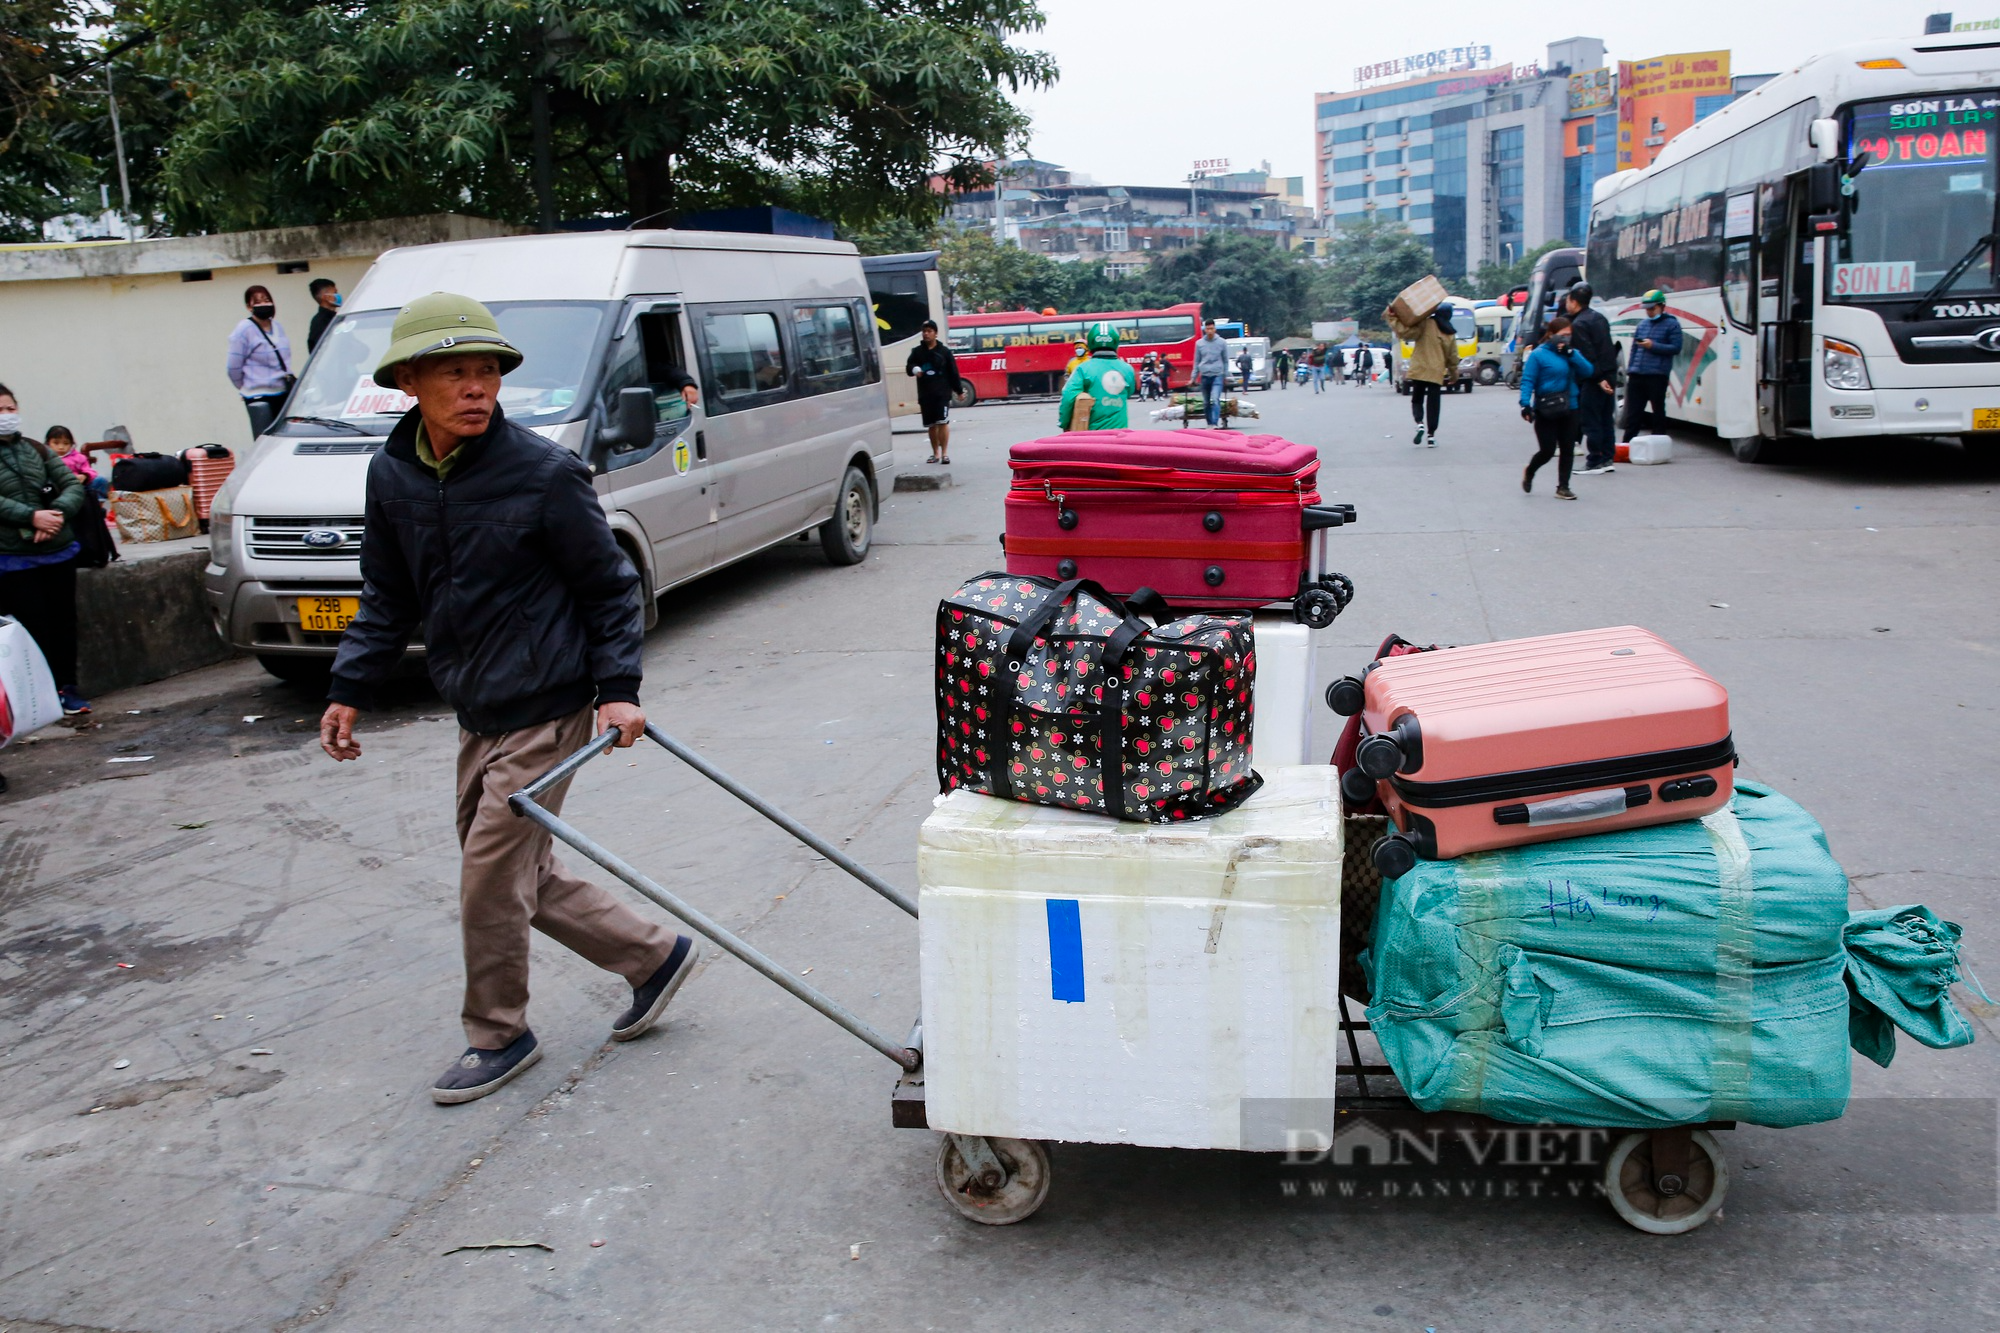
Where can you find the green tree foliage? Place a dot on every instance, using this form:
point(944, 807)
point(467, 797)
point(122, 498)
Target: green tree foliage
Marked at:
point(1236, 276)
point(306, 112)
point(892, 236)
point(983, 275)
point(1371, 262)
point(1496, 280)
point(1239, 276)
point(56, 144)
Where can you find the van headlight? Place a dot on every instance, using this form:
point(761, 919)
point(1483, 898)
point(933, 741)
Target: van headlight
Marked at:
point(221, 536)
point(1845, 367)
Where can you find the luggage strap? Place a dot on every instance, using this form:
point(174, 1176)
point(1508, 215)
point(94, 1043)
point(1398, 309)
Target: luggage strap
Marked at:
point(1140, 548)
point(1111, 708)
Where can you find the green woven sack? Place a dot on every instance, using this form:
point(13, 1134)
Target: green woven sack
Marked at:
point(1658, 976)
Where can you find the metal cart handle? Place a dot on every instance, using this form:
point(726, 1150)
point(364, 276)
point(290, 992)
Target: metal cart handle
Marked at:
point(525, 802)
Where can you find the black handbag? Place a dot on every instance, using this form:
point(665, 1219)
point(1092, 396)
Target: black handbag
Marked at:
point(149, 472)
point(1552, 406)
point(1060, 694)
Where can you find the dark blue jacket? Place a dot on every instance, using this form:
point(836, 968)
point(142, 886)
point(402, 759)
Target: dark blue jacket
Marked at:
point(1549, 371)
point(529, 609)
point(1665, 331)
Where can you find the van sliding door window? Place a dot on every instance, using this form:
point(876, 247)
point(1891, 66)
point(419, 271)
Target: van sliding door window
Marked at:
point(745, 354)
point(829, 349)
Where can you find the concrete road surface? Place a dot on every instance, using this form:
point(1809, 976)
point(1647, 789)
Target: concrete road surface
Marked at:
point(229, 969)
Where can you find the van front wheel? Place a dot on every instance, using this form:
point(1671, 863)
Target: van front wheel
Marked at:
point(846, 536)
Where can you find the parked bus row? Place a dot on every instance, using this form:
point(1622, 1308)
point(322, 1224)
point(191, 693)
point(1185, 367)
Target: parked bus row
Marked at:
point(1828, 244)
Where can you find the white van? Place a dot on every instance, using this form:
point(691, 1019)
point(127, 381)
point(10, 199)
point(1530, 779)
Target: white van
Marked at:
point(791, 435)
point(1260, 363)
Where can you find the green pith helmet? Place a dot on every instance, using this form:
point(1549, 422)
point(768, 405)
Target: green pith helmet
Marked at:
point(443, 323)
point(1654, 297)
point(1103, 337)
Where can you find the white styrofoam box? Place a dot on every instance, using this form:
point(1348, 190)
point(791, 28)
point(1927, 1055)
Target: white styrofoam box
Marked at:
point(1090, 980)
point(1282, 696)
point(1649, 449)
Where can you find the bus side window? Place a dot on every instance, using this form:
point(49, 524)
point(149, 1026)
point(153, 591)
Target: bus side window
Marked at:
point(1737, 272)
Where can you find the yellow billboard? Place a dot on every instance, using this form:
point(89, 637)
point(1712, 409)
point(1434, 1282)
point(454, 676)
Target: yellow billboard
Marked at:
point(1656, 100)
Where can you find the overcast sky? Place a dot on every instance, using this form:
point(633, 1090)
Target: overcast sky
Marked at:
point(1147, 88)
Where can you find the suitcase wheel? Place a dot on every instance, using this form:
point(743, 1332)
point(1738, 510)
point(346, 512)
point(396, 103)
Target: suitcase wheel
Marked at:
point(1213, 577)
point(1345, 696)
point(1357, 787)
point(1066, 519)
point(1394, 857)
point(1212, 520)
point(1378, 756)
point(1315, 608)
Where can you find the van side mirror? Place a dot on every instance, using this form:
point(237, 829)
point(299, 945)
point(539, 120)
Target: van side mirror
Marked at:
point(628, 425)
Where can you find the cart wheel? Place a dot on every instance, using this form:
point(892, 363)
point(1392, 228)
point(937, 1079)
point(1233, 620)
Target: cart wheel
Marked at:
point(1628, 1181)
point(1015, 1198)
point(1315, 608)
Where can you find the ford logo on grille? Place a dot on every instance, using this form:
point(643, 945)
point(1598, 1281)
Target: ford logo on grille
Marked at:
point(324, 539)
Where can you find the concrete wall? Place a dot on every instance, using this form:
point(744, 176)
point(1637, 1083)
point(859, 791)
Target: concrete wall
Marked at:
point(141, 620)
point(97, 335)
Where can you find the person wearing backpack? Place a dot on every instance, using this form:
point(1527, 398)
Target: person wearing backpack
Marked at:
point(39, 498)
point(1549, 382)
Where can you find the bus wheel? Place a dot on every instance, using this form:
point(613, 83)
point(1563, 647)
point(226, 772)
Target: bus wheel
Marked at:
point(1754, 449)
point(1488, 373)
point(966, 395)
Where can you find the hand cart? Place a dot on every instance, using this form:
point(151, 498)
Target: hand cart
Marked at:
point(1663, 1181)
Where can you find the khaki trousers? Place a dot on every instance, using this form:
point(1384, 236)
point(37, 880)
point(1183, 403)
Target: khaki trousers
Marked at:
point(509, 880)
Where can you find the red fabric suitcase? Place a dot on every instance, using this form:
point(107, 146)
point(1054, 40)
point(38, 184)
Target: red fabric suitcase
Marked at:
point(1207, 518)
point(1529, 740)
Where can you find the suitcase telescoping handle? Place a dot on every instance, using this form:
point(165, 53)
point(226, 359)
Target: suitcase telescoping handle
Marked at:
point(1314, 517)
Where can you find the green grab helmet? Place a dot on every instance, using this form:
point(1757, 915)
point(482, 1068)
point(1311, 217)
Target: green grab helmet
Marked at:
point(443, 323)
point(1654, 297)
point(1102, 337)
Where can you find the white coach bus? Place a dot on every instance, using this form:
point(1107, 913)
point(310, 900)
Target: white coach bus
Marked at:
point(1828, 244)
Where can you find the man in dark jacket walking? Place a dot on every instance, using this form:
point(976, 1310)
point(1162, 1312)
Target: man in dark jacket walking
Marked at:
point(490, 538)
point(935, 369)
point(1590, 334)
point(1655, 344)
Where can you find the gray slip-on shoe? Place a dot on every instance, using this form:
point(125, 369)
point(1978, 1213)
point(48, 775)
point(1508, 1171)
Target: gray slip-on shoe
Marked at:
point(649, 1001)
point(479, 1072)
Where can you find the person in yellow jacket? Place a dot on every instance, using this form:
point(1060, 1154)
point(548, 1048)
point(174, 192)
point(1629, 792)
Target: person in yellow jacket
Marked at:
point(1433, 364)
point(1105, 377)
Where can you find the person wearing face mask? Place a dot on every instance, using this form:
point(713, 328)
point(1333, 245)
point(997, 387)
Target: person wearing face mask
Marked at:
point(38, 498)
point(1550, 381)
point(260, 359)
point(327, 294)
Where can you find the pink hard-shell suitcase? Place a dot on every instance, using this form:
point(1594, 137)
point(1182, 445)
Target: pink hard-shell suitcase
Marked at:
point(1529, 740)
point(1213, 519)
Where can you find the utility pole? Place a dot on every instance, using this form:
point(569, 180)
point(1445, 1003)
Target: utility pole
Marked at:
point(1000, 202)
point(118, 146)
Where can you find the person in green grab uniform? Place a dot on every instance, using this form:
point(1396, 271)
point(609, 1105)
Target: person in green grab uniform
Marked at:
point(1108, 381)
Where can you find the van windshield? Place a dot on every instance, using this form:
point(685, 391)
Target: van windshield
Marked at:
point(556, 340)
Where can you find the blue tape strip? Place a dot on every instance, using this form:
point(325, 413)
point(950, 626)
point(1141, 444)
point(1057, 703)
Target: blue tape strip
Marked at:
point(1065, 951)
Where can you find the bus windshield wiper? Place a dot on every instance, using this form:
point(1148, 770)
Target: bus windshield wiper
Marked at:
point(1953, 274)
point(347, 426)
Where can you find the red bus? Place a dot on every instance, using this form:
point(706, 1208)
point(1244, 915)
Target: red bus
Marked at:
point(1017, 353)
